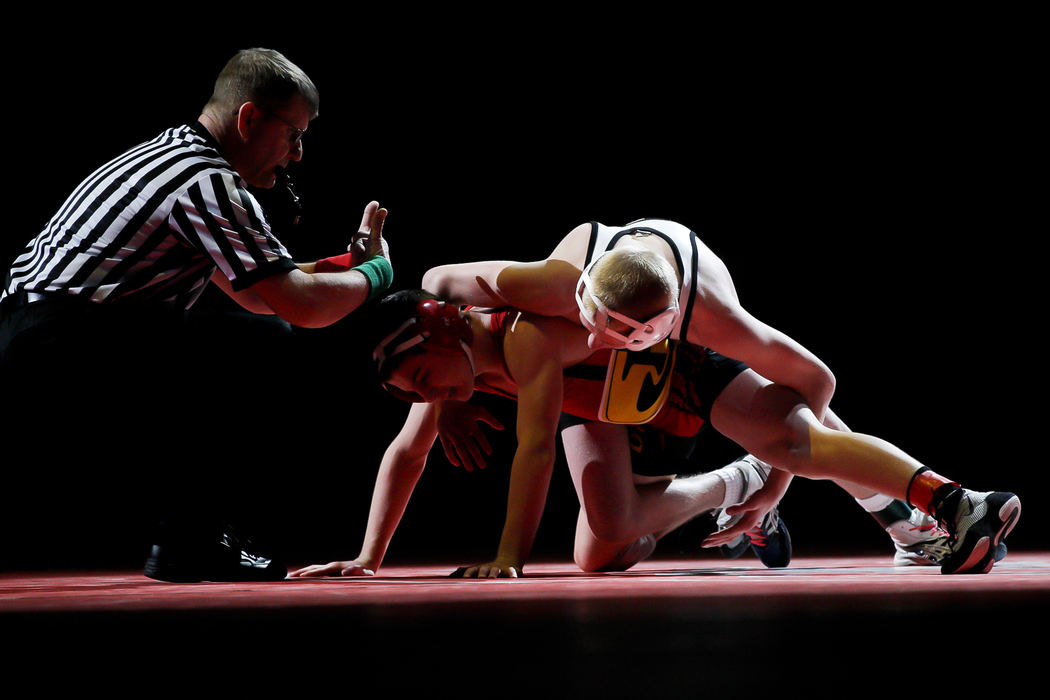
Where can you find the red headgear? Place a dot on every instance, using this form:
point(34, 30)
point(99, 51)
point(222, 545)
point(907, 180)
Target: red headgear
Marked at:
point(436, 323)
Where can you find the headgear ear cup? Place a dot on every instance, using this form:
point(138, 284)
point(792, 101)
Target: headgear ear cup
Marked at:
point(438, 324)
point(442, 324)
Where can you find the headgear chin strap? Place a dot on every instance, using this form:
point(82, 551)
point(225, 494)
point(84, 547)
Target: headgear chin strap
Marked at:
point(596, 320)
point(436, 323)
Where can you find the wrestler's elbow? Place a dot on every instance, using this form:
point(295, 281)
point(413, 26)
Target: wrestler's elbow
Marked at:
point(404, 461)
point(435, 280)
point(538, 452)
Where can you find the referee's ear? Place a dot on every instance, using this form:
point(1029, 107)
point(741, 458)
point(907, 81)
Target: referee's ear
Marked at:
point(247, 116)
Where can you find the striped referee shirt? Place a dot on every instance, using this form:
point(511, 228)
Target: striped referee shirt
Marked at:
point(153, 225)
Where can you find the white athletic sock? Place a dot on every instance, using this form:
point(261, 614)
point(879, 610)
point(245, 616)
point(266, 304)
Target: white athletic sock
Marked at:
point(892, 514)
point(875, 503)
point(742, 478)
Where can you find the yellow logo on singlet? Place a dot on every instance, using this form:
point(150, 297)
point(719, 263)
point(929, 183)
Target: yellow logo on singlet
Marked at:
point(637, 383)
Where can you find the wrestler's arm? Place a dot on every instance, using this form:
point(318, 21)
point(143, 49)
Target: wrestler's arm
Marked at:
point(402, 464)
point(468, 283)
point(545, 287)
point(754, 509)
point(539, 379)
point(462, 438)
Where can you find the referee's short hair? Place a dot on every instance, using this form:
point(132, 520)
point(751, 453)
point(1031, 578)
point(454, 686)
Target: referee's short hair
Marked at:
point(263, 76)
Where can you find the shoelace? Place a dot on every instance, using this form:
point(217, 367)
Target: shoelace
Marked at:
point(936, 546)
point(931, 527)
point(938, 533)
point(769, 526)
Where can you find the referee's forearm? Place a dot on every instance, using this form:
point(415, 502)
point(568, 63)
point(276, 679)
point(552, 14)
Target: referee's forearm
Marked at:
point(314, 300)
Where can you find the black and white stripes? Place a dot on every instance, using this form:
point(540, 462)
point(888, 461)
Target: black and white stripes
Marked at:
point(153, 225)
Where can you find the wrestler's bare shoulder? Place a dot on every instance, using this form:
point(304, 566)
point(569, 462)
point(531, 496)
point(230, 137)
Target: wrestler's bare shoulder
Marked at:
point(552, 335)
point(573, 247)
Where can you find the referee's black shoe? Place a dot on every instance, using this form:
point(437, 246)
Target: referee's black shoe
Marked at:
point(227, 557)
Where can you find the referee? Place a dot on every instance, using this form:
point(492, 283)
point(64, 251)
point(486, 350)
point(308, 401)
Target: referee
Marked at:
point(115, 381)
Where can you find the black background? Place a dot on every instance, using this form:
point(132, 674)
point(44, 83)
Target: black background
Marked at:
point(871, 184)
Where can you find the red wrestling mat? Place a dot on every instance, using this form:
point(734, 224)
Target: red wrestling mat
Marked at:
point(853, 580)
point(825, 627)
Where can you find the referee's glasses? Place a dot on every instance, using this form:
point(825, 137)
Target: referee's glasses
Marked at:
point(297, 133)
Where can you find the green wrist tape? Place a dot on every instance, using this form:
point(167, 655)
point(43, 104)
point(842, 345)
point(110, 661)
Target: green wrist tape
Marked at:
point(380, 274)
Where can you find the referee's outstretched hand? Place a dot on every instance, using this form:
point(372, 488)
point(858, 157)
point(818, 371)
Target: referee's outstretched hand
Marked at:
point(368, 242)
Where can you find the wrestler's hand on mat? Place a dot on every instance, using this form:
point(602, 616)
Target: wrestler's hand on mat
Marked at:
point(459, 427)
point(334, 568)
point(754, 509)
point(368, 241)
point(494, 569)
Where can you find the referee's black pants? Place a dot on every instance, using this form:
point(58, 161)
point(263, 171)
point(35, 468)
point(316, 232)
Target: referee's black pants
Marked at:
point(118, 417)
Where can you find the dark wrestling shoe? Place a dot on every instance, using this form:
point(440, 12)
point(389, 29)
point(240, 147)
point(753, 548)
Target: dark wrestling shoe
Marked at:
point(978, 526)
point(920, 541)
point(754, 473)
point(771, 541)
point(228, 557)
point(735, 549)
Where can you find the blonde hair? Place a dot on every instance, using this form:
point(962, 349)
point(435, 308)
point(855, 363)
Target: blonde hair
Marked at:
point(631, 278)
